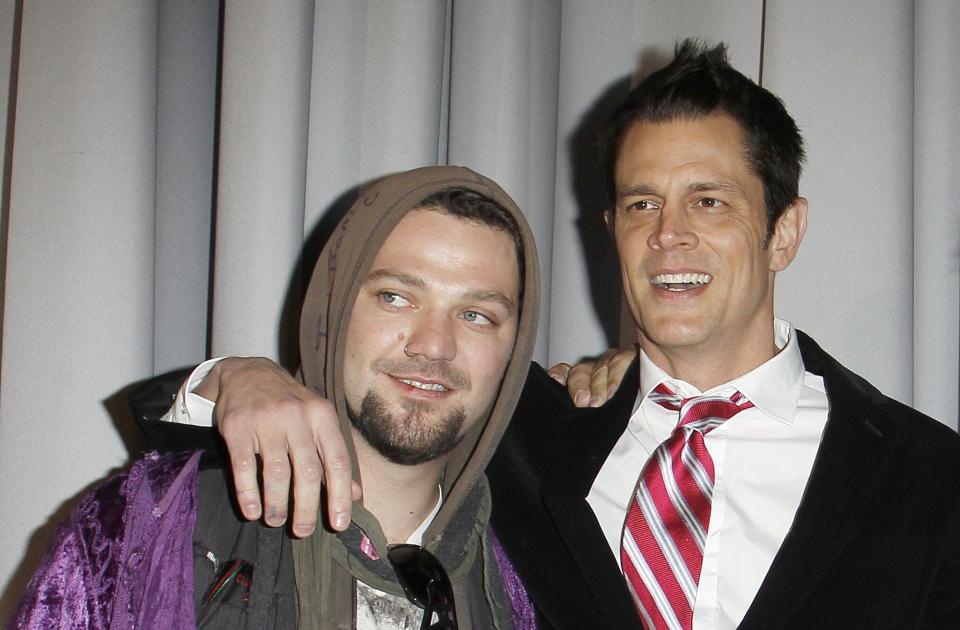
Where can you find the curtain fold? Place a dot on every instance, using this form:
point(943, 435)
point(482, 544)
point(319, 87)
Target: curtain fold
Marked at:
point(78, 304)
point(154, 215)
point(503, 109)
point(264, 108)
point(851, 285)
point(188, 37)
point(596, 58)
point(936, 226)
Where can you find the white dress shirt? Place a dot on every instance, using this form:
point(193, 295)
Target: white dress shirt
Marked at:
point(190, 408)
point(762, 459)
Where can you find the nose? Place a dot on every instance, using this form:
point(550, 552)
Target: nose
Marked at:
point(673, 230)
point(433, 337)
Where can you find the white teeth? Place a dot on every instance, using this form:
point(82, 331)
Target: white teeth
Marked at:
point(667, 280)
point(432, 387)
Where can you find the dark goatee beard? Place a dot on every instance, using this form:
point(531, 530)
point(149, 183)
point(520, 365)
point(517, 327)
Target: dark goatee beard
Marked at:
point(407, 438)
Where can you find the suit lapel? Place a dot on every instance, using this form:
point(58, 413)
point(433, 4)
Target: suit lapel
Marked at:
point(578, 449)
point(856, 448)
point(599, 573)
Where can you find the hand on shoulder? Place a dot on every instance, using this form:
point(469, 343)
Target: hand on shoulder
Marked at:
point(592, 382)
point(260, 409)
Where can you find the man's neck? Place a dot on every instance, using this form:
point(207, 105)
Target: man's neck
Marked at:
point(399, 496)
point(716, 365)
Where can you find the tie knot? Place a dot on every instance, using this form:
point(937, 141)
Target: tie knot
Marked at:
point(701, 413)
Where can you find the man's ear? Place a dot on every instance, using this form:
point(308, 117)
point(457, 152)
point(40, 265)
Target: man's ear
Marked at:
point(786, 237)
point(608, 215)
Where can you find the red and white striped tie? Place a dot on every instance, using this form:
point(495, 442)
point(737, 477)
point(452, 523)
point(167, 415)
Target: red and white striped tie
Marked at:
point(666, 525)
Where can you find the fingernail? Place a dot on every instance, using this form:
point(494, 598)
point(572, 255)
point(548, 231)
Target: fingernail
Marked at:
point(302, 531)
point(252, 510)
point(582, 398)
point(275, 517)
point(340, 521)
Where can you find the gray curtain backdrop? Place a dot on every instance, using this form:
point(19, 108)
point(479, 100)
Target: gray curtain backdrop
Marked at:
point(150, 220)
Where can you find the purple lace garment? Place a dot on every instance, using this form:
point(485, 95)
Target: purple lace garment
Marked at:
point(124, 558)
point(524, 616)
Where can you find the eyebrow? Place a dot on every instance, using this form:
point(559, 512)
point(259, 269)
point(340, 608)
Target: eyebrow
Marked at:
point(711, 186)
point(636, 190)
point(639, 190)
point(399, 276)
point(490, 296)
point(417, 283)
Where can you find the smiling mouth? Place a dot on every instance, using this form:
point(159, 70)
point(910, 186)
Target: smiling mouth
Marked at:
point(430, 387)
point(681, 281)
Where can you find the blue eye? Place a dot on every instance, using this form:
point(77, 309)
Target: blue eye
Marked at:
point(393, 299)
point(475, 317)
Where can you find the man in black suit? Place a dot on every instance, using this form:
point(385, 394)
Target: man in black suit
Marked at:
point(827, 504)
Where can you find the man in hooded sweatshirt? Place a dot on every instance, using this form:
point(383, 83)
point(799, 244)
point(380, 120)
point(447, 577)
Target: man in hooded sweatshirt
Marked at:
point(418, 325)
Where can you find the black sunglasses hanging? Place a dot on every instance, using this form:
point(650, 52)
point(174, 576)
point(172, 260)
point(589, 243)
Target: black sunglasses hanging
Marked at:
point(426, 584)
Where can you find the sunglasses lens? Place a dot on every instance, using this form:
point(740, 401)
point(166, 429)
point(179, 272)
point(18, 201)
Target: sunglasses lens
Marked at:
point(425, 581)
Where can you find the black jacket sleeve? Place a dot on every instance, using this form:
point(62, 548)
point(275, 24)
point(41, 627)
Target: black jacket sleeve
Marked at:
point(151, 399)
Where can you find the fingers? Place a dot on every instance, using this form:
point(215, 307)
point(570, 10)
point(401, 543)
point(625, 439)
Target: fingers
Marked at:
point(307, 478)
point(591, 383)
point(577, 380)
point(599, 379)
point(617, 368)
point(245, 432)
point(243, 463)
point(337, 468)
point(559, 372)
point(287, 452)
point(608, 373)
point(261, 409)
point(578, 383)
point(276, 484)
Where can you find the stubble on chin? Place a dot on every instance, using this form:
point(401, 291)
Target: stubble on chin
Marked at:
point(409, 437)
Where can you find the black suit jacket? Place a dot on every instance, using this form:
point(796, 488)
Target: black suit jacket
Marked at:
point(875, 542)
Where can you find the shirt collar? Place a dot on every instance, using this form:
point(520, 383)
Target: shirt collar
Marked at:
point(416, 537)
point(773, 387)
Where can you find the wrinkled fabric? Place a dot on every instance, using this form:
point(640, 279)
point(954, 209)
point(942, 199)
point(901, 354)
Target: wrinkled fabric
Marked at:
point(123, 559)
point(523, 613)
